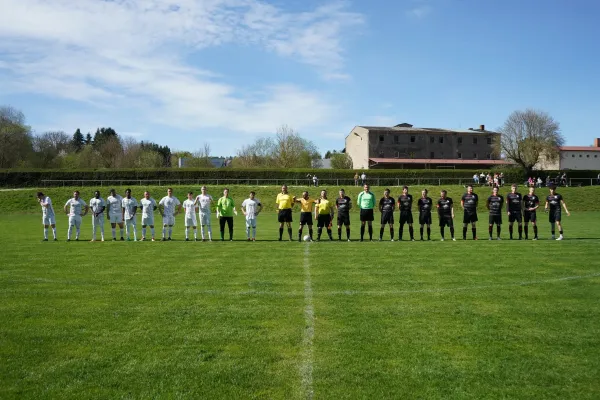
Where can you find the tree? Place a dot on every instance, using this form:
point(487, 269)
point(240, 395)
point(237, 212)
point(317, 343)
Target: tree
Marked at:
point(78, 140)
point(102, 136)
point(341, 161)
point(528, 135)
point(16, 145)
point(164, 151)
point(48, 147)
point(88, 139)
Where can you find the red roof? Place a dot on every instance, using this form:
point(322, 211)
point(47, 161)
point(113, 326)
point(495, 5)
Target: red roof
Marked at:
point(436, 161)
point(579, 148)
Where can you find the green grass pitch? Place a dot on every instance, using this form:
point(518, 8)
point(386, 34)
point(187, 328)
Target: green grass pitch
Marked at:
point(281, 320)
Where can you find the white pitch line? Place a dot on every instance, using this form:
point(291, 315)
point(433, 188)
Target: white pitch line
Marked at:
point(306, 366)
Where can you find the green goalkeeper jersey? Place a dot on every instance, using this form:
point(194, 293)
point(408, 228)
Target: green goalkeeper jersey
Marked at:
point(225, 206)
point(366, 200)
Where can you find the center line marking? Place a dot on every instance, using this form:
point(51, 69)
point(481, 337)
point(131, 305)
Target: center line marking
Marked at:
point(306, 367)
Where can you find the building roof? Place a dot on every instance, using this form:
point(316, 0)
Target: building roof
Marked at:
point(402, 129)
point(436, 161)
point(578, 148)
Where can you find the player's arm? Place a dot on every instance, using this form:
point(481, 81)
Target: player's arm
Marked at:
point(487, 204)
point(259, 208)
point(86, 208)
point(349, 204)
point(102, 208)
point(452, 210)
point(244, 209)
point(134, 210)
point(316, 209)
point(462, 203)
point(565, 207)
point(546, 206)
point(537, 205)
point(381, 205)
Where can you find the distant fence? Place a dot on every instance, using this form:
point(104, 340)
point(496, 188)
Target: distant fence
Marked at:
point(275, 182)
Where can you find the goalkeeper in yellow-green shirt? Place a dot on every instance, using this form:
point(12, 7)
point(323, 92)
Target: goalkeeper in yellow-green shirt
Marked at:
point(225, 211)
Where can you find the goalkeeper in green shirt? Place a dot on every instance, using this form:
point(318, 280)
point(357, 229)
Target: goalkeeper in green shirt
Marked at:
point(225, 211)
point(366, 204)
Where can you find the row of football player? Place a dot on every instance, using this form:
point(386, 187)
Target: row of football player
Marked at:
point(122, 212)
point(124, 209)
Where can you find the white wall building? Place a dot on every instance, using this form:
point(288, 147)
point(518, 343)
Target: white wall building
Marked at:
point(574, 158)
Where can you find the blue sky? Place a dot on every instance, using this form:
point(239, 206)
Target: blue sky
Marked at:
point(187, 72)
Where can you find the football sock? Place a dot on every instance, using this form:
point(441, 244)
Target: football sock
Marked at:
point(535, 231)
point(526, 228)
point(520, 229)
point(195, 233)
point(143, 232)
point(348, 233)
point(391, 233)
point(362, 232)
point(247, 232)
point(300, 234)
point(428, 233)
point(401, 231)
point(381, 232)
point(510, 231)
point(76, 233)
point(280, 233)
point(452, 232)
point(134, 233)
point(71, 230)
point(209, 232)
point(330, 233)
point(498, 229)
point(231, 233)
point(45, 233)
point(371, 232)
point(290, 233)
point(121, 231)
point(253, 232)
point(310, 232)
point(491, 229)
point(340, 233)
point(114, 233)
point(464, 233)
point(170, 231)
point(561, 232)
point(474, 230)
point(54, 232)
point(411, 231)
point(421, 231)
point(187, 230)
point(319, 231)
point(442, 231)
point(164, 231)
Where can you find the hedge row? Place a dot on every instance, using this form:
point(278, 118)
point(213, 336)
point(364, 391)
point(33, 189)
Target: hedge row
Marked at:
point(36, 178)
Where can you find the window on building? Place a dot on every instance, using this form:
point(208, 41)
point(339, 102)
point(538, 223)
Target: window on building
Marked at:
point(580, 156)
point(381, 153)
point(572, 155)
point(431, 155)
point(397, 154)
point(431, 139)
point(595, 155)
point(588, 156)
point(441, 139)
point(489, 156)
point(381, 138)
point(459, 140)
point(474, 140)
point(475, 156)
point(458, 155)
point(413, 139)
point(489, 140)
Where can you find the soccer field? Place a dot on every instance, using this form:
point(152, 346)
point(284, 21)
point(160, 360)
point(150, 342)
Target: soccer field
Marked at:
point(464, 319)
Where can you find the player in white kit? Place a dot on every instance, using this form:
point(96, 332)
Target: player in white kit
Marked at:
point(130, 207)
point(251, 208)
point(148, 205)
point(203, 201)
point(97, 205)
point(77, 209)
point(48, 215)
point(169, 206)
point(114, 212)
point(190, 208)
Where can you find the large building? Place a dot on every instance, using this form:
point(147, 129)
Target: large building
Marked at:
point(404, 146)
point(574, 157)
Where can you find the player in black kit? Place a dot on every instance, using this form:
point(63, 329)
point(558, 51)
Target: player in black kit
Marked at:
point(469, 203)
point(494, 204)
point(405, 205)
point(425, 203)
point(555, 200)
point(386, 207)
point(514, 202)
point(343, 205)
point(446, 214)
point(531, 202)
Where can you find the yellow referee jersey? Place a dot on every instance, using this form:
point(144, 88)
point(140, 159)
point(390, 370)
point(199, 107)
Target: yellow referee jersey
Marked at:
point(306, 205)
point(284, 201)
point(324, 207)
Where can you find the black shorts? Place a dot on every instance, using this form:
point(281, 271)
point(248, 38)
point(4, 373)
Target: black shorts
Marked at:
point(496, 219)
point(323, 220)
point(306, 218)
point(515, 216)
point(387, 217)
point(406, 217)
point(446, 220)
point(366, 214)
point(425, 218)
point(530, 216)
point(554, 216)
point(343, 219)
point(470, 217)
point(285, 215)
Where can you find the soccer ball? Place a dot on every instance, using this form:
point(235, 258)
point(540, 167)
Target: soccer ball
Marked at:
point(306, 238)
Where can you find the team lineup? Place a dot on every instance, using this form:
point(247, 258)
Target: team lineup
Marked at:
point(122, 212)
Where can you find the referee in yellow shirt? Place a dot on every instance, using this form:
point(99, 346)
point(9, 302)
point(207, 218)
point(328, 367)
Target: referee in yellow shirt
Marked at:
point(285, 201)
point(306, 212)
point(324, 212)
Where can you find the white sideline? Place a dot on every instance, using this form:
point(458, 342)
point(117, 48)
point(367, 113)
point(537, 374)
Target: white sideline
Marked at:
point(306, 366)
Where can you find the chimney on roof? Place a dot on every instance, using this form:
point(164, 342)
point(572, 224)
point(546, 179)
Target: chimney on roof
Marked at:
point(597, 142)
point(482, 127)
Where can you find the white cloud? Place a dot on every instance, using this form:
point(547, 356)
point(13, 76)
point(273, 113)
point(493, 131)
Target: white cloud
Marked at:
point(420, 11)
point(131, 53)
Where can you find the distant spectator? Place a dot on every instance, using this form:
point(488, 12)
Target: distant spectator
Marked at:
point(539, 182)
point(476, 179)
point(547, 180)
point(598, 179)
point(501, 179)
point(363, 178)
point(315, 181)
point(482, 178)
point(356, 179)
point(563, 179)
point(530, 182)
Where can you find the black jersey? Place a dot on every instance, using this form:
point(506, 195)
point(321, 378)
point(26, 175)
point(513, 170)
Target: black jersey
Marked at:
point(495, 204)
point(445, 207)
point(514, 201)
point(343, 204)
point(405, 202)
point(387, 204)
point(425, 204)
point(554, 202)
point(530, 201)
point(470, 202)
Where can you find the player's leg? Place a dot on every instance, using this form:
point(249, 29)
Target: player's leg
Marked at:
point(222, 223)
point(170, 226)
point(230, 225)
point(442, 226)
point(310, 226)
point(491, 226)
point(421, 229)
point(362, 228)
point(300, 228)
point(46, 231)
point(53, 225)
point(370, 222)
point(77, 227)
point(195, 229)
point(347, 223)
point(451, 224)
point(100, 223)
point(248, 230)
point(411, 230)
point(134, 228)
point(113, 228)
point(319, 227)
point(511, 221)
point(329, 233)
point(474, 230)
point(465, 225)
point(94, 229)
point(401, 228)
point(253, 229)
point(339, 228)
point(70, 229)
point(281, 224)
point(498, 226)
point(560, 229)
point(391, 230)
point(121, 228)
point(520, 226)
point(289, 224)
point(429, 230)
point(143, 230)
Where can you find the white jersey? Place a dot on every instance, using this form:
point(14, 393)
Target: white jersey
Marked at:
point(75, 207)
point(97, 205)
point(169, 204)
point(48, 210)
point(114, 204)
point(204, 203)
point(148, 207)
point(251, 206)
point(129, 206)
point(190, 208)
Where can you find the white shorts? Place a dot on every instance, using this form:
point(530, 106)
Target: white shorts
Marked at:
point(116, 218)
point(98, 221)
point(75, 220)
point(48, 220)
point(131, 221)
point(169, 220)
point(148, 220)
point(251, 222)
point(204, 218)
point(190, 221)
